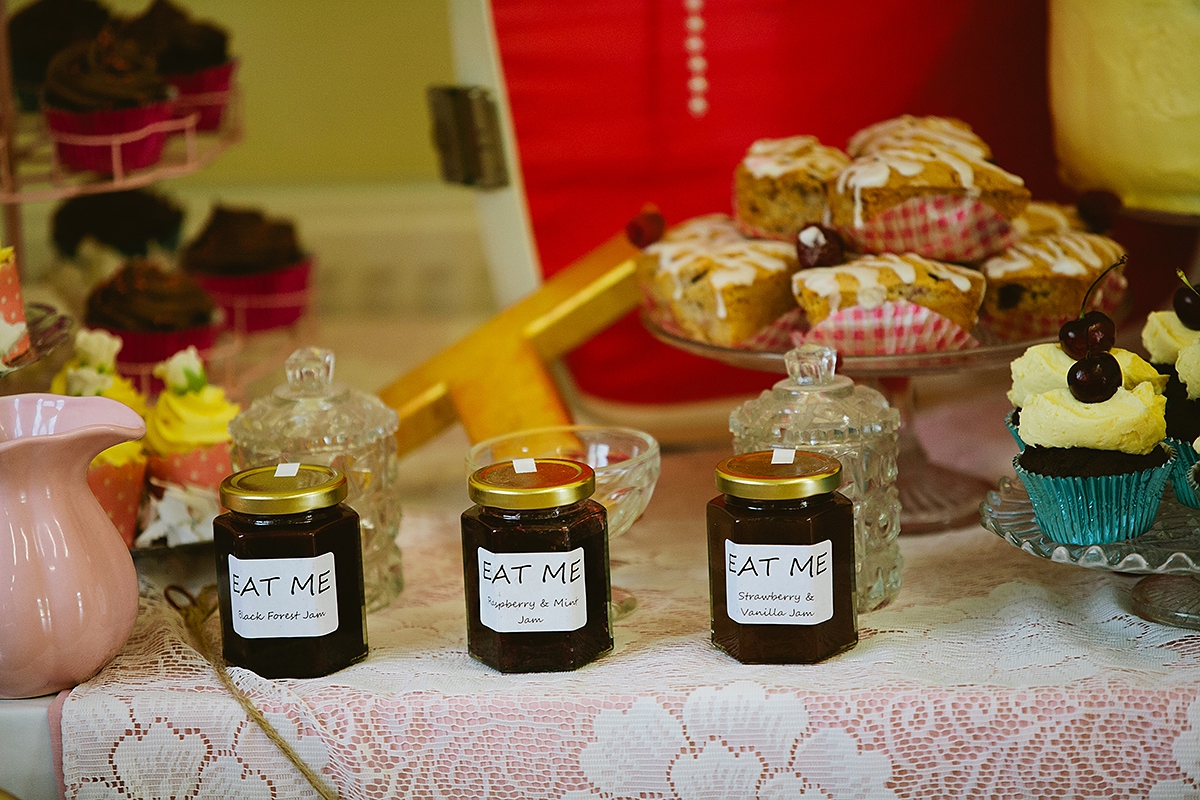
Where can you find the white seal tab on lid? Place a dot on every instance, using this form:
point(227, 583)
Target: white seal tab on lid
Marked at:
point(523, 465)
point(287, 470)
point(783, 455)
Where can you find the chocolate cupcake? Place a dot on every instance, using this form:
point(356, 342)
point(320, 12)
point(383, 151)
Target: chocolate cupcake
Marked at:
point(155, 312)
point(192, 55)
point(129, 222)
point(102, 88)
point(39, 31)
point(253, 266)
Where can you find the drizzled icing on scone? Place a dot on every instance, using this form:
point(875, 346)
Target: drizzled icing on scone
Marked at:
point(906, 130)
point(771, 158)
point(865, 270)
point(730, 258)
point(1068, 253)
point(872, 171)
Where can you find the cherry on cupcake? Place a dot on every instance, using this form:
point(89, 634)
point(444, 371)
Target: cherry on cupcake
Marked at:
point(1187, 303)
point(1092, 331)
point(819, 246)
point(1095, 378)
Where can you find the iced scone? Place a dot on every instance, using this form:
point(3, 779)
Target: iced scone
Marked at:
point(117, 477)
point(1094, 463)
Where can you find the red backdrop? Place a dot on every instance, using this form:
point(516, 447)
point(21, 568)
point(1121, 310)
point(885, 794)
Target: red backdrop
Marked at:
point(599, 94)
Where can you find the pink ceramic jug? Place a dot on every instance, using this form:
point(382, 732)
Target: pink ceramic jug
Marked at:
point(68, 587)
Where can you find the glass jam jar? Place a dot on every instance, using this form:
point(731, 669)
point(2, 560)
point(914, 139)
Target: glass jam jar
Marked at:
point(535, 566)
point(289, 572)
point(781, 559)
point(315, 420)
point(818, 411)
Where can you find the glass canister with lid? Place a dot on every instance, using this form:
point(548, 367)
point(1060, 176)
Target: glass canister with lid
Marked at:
point(315, 420)
point(816, 410)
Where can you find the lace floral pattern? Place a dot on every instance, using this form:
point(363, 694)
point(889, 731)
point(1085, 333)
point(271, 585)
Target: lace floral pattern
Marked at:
point(993, 673)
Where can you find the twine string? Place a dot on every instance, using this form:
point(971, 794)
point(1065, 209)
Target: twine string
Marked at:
point(195, 611)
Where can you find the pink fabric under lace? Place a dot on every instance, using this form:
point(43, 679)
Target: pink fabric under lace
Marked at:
point(994, 674)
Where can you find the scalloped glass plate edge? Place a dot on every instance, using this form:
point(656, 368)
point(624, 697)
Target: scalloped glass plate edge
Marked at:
point(1170, 547)
point(48, 328)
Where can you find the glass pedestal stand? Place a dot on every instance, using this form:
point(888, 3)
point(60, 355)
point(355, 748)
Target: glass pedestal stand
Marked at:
point(933, 497)
point(1168, 554)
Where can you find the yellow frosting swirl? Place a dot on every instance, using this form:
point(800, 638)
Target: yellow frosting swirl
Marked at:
point(1164, 336)
point(182, 422)
point(1187, 366)
point(1129, 421)
point(1043, 368)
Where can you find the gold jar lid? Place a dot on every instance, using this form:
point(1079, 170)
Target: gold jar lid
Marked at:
point(529, 483)
point(778, 475)
point(274, 489)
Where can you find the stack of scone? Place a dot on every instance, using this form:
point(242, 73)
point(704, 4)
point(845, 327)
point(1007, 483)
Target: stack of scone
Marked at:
point(911, 240)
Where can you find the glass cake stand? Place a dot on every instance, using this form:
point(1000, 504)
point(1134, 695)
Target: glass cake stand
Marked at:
point(933, 497)
point(1168, 554)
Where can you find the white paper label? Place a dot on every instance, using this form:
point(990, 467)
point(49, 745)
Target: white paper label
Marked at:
point(272, 598)
point(779, 584)
point(783, 455)
point(529, 592)
point(523, 465)
point(287, 469)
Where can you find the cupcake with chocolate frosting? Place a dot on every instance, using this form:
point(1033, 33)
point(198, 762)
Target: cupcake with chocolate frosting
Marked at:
point(105, 87)
point(156, 312)
point(39, 31)
point(193, 56)
point(253, 266)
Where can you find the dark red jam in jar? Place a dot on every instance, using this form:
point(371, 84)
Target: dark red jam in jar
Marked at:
point(535, 565)
point(781, 559)
point(289, 572)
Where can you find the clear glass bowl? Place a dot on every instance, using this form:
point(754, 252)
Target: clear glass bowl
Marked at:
point(626, 461)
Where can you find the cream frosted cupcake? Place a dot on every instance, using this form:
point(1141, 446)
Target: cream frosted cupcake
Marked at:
point(1183, 420)
point(187, 429)
point(1095, 471)
point(117, 476)
point(1043, 368)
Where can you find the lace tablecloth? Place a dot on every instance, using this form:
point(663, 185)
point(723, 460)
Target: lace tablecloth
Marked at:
point(994, 674)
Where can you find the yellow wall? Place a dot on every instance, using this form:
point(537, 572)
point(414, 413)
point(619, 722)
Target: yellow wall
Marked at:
point(334, 90)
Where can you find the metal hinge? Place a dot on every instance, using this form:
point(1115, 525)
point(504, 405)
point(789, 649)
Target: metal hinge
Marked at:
point(466, 132)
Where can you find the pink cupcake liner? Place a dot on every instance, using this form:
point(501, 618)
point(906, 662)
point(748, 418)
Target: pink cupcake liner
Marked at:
point(205, 93)
point(1107, 297)
point(12, 310)
point(203, 467)
point(119, 490)
point(141, 350)
point(887, 329)
point(941, 227)
point(261, 302)
point(110, 142)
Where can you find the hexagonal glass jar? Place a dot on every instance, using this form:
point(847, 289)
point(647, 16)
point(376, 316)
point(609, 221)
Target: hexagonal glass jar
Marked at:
point(817, 410)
